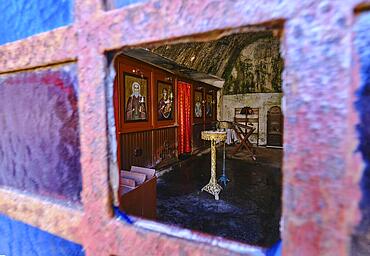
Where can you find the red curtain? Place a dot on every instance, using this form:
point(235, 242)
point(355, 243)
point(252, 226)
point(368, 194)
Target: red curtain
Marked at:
point(184, 111)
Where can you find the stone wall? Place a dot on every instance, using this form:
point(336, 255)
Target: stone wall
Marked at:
point(263, 101)
point(258, 68)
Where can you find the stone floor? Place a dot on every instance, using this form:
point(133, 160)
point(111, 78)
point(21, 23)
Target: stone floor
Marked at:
point(249, 208)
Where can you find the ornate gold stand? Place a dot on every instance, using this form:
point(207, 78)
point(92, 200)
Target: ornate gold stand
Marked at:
point(212, 187)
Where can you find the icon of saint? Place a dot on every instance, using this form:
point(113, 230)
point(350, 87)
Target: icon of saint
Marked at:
point(165, 105)
point(198, 108)
point(209, 109)
point(135, 108)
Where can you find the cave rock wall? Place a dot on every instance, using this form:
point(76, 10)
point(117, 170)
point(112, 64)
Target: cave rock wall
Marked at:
point(257, 69)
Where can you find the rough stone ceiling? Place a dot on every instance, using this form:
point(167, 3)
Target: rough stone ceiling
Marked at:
point(209, 62)
point(211, 57)
point(248, 62)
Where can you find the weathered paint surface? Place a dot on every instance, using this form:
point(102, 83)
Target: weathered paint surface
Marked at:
point(22, 18)
point(39, 146)
point(321, 170)
point(56, 46)
point(19, 239)
point(262, 101)
point(361, 237)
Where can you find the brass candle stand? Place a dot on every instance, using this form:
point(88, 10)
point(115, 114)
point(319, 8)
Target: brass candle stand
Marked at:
point(212, 187)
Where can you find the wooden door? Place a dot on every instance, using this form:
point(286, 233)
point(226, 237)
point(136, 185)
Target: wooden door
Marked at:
point(274, 127)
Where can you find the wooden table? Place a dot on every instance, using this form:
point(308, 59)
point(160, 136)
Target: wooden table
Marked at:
point(212, 187)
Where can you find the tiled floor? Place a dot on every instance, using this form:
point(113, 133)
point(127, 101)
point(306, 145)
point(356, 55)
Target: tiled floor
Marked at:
point(249, 208)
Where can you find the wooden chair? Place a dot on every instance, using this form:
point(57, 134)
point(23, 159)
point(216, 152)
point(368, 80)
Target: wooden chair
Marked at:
point(245, 125)
point(250, 118)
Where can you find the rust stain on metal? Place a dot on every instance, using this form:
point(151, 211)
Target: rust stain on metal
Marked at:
point(319, 163)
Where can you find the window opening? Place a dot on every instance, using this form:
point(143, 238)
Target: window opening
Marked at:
point(165, 98)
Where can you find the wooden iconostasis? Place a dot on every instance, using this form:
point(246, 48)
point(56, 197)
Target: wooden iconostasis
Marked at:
point(147, 114)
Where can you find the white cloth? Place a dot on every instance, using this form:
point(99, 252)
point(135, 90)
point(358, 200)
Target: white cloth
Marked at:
point(231, 136)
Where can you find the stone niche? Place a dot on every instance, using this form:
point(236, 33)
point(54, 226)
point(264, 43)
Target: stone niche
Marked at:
point(262, 101)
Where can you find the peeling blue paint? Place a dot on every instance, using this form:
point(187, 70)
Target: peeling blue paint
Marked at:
point(275, 250)
point(23, 18)
point(19, 239)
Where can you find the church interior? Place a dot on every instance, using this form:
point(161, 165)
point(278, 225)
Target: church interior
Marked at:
point(199, 128)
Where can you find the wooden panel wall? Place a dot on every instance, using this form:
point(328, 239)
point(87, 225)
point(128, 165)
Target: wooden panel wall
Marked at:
point(197, 140)
point(206, 122)
point(164, 145)
point(153, 142)
point(136, 149)
point(148, 148)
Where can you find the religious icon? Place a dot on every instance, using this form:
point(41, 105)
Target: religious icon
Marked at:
point(209, 103)
point(165, 101)
point(198, 98)
point(136, 89)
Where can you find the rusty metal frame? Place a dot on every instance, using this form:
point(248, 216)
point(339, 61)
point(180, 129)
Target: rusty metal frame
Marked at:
point(96, 31)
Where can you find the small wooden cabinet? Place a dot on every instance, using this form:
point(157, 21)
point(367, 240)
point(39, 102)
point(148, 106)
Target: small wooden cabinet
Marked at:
point(275, 127)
